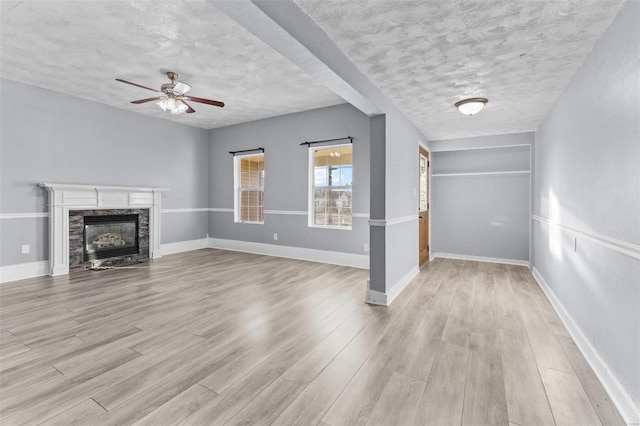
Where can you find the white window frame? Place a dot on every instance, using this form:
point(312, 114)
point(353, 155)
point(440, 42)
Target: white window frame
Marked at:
point(236, 189)
point(311, 207)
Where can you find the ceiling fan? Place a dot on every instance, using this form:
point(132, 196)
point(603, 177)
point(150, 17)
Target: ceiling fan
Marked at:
point(173, 97)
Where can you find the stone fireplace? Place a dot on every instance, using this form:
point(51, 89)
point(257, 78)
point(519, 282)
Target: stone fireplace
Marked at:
point(75, 208)
point(108, 237)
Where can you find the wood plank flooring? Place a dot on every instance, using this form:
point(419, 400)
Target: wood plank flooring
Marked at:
point(213, 337)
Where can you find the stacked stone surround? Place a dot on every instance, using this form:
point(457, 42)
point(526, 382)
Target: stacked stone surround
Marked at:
point(76, 238)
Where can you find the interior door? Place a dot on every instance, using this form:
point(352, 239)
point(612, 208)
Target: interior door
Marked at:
point(423, 205)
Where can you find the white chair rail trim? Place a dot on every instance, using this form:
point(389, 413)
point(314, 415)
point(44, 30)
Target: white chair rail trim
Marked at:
point(624, 247)
point(394, 221)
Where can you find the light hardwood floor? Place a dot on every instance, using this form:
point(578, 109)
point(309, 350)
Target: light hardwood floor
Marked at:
point(213, 337)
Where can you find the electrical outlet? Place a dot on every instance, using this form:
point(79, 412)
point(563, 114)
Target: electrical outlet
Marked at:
point(275, 237)
point(207, 236)
point(26, 249)
point(366, 247)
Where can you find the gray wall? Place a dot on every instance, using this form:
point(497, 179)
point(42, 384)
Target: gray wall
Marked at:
point(47, 136)
point(394, 245)
point(587, 176)
point(286, 178)
point(481, 215)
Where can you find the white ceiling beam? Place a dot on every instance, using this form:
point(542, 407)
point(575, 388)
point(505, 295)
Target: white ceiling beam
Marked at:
point(288, 30)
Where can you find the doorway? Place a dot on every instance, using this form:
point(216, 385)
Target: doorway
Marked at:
point(423, 206)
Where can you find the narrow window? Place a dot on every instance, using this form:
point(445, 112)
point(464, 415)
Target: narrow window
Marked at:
point(249, 188)
point(330, 181)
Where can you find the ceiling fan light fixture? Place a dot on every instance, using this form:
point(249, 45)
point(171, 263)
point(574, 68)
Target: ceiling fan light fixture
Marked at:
point(164, 104)
point(172, 96)
point(179, 108)
point(471, 106)
point(173, 105)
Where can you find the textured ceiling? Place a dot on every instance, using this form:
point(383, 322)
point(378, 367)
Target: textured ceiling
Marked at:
point(423, 55)
point(80, 47)
point(426, 55)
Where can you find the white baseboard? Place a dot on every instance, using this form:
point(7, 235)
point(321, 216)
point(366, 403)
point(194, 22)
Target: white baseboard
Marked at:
point(374, 297)
point(182, 246)
point(37, 269)
point(323, 256)
point(480, 259)
point(627, 408)
point(23, 271)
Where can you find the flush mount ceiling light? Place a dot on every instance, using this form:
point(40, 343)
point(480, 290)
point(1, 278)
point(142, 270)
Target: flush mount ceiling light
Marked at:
point(471, 106)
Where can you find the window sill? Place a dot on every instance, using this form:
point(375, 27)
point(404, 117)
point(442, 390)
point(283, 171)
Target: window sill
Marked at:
point(339, 228)
point(250, 223)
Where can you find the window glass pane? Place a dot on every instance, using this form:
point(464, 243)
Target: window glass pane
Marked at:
point(342, 199)
point(335, 176)
point(320, 217)
point(346, 175)
point(321, 157)
point(346, 155)
point(423, 183)
point(333, 216)
point(319, 199)
point(320, 177)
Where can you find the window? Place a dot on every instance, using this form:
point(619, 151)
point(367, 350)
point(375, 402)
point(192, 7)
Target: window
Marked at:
point(424, 184)
point(249, 188)
point(330, 180)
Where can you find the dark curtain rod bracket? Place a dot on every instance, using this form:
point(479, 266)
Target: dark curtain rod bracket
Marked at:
point(246, 150)
point(328, 140)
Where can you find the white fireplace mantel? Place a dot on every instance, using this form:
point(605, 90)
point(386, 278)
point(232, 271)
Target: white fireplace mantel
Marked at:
point(64, 197)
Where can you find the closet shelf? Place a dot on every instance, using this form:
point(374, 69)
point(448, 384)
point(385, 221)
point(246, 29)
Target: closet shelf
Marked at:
point(515, 172)
point(473, 148)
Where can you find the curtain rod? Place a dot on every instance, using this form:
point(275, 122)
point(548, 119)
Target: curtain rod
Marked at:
point(328, 140)
point(246, 150)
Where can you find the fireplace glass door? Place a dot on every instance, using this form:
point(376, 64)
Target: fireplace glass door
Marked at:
point(110, 236)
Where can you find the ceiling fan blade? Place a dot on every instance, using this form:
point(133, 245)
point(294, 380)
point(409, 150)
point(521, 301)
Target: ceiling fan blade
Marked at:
point(181, 88)
point(189, 110)
point(141, 101)
point(135, 84)
point(205, 101)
